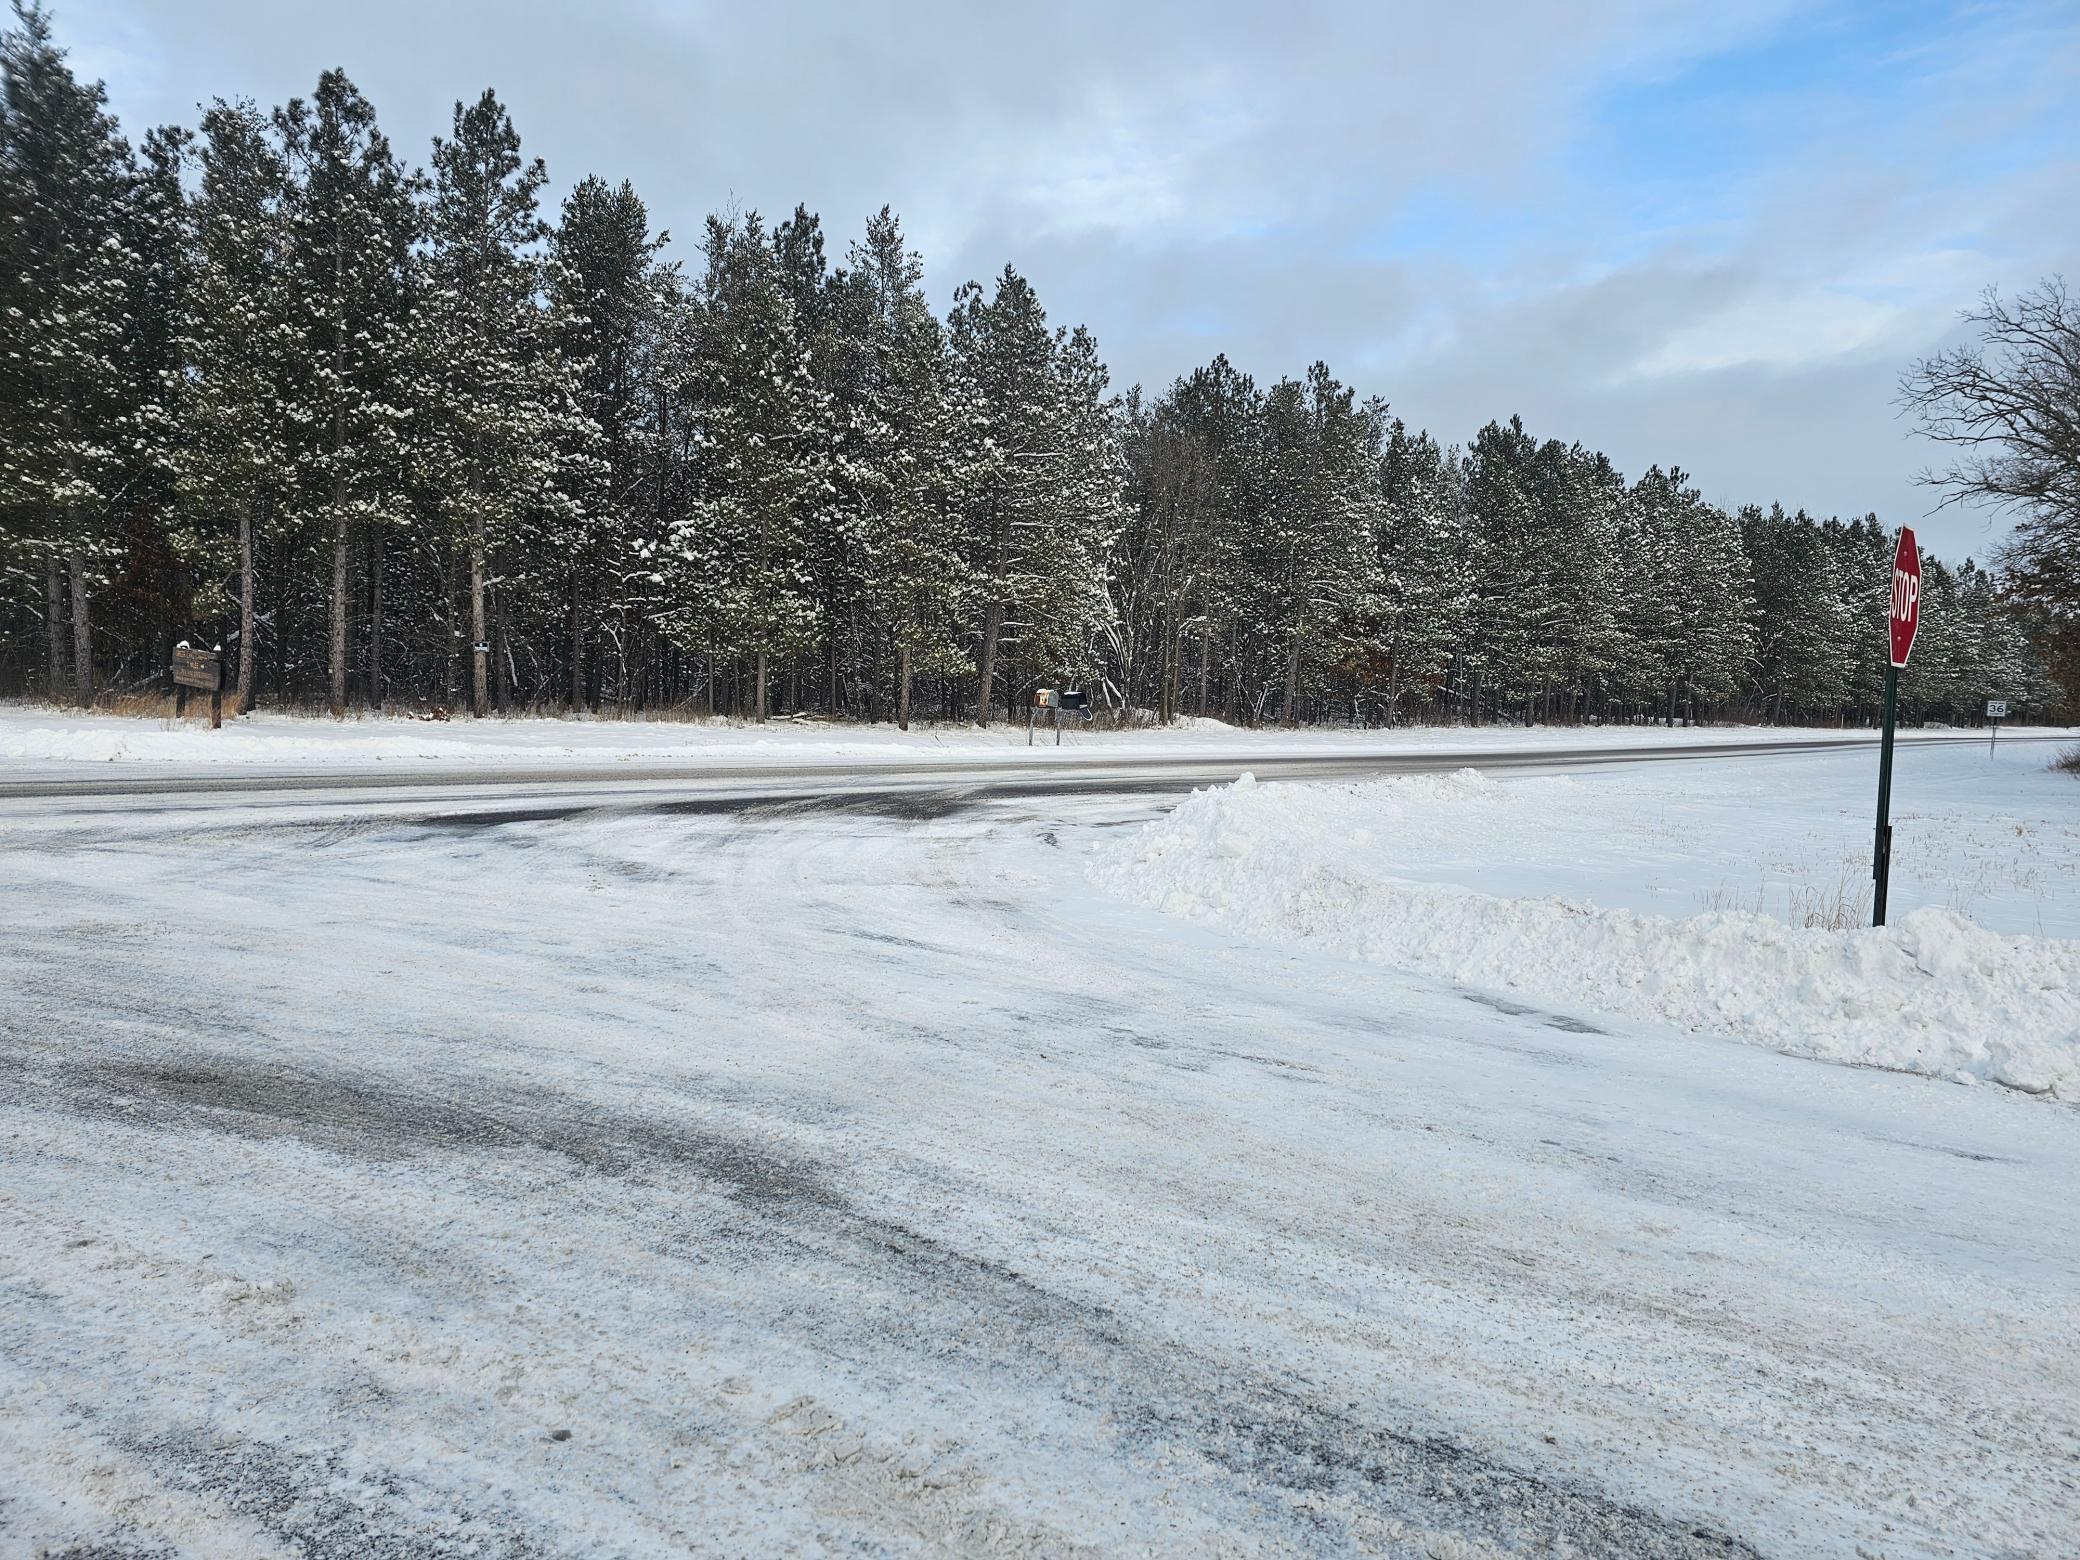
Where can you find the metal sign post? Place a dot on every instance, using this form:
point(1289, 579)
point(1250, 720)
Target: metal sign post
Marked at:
point(1905, 620)
point(1996, 712)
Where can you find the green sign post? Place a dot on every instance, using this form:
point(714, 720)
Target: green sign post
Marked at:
point(1905, 619)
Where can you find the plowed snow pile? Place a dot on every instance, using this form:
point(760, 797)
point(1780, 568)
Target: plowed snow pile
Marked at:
point(1932, 994)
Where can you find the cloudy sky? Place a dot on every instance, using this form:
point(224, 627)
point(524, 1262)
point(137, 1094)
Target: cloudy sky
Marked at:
point(1703, 234)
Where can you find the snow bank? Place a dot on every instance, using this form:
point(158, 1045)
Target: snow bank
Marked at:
point(1932, 994)
point(39, 733)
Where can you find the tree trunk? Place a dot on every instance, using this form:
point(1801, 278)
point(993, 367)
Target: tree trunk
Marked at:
point(479, 686)
point(247, 613)
point(448, 609)
point(82, 634)
point(1167, 673)
point(903, 688)
point(338, 667)
point(337, 663)
point(54, 623)
point(283, 562)
point(375, 617)
point(759, 686)
point(577, 626)
point(502, 682)
point(1289, 714)
point(1205, 667)
point(992, 625)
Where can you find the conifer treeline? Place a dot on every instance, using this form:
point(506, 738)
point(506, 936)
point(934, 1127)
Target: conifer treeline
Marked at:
point(390, 435)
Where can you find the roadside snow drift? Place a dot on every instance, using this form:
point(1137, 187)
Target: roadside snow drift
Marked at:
point(40, 734)
point(1931, 994)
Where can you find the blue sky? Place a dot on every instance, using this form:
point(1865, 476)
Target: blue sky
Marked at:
point(1706, 235)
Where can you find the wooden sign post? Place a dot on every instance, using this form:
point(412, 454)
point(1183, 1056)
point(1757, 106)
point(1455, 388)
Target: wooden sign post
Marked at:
point(202, 670)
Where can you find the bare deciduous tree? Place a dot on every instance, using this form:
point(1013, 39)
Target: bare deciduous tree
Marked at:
point(2008, 406)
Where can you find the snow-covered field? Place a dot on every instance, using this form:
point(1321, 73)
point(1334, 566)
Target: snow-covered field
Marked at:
point(32, 733)
point(1716, 898)
point(879, 1173)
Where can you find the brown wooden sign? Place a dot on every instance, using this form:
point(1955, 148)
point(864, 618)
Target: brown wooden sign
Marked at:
point(202, 670)
point(197, 669)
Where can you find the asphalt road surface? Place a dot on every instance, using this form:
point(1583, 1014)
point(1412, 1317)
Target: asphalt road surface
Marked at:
point(797, 1159)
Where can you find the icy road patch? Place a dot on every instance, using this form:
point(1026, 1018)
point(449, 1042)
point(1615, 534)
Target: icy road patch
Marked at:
point(1378, 870)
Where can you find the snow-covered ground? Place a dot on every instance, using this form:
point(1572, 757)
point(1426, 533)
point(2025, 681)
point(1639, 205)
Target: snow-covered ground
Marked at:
point(859, 1174)
point(1724, 899)
point(34, 733)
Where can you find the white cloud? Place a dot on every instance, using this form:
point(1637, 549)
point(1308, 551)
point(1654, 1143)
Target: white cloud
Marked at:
point(1778, 331)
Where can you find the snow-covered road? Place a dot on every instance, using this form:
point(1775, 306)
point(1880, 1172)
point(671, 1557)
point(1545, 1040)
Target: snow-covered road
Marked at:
point(852, 1172)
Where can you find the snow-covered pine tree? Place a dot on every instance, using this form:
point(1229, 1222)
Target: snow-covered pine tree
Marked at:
point(64, 172)
point(1427, 561)
point(834, 321)
point(1323, 452)
point(603, 286)
point(1579, 495)
point(158, 243)
point(1160, 563)
point(1045, 500)
point(902, 468)
point(1220, 409)
point(1862, 551)
point(499, 411)
point(739, 557)
point(1511, 618)
point(1718, 597)
point(1649, 616)
point(1800, 615)
point(656, 586)
point(352, 224)
point(1067, 609)
point(234, 454)
point(1688, 593)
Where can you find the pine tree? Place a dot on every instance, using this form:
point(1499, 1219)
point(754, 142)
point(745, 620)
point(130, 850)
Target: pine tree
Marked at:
point(158, 241)
point(1221, 410)
point(1322, 463)
point(741, 552)
point(835, 322)
point(1160, 563)
point(352, 224)
point(1427, 562)
point(901, 464)
point(65, 170)
point(1800, 617)
point(499, 407)
point(235, 445)
point(1688, 594)
point(1045, 501)
point(604, 289)
point(1510, 618)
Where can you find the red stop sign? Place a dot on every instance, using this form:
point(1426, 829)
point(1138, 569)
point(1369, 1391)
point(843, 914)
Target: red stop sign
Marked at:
point(1906, 595)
